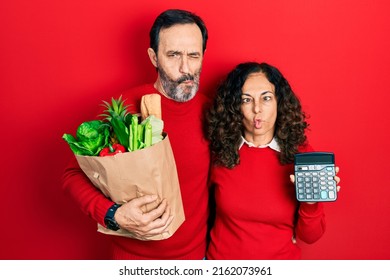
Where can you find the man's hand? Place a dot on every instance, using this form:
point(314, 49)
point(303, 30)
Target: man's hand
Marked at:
point(131, 217)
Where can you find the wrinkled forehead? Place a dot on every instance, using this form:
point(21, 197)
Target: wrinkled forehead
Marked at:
point(181, 38)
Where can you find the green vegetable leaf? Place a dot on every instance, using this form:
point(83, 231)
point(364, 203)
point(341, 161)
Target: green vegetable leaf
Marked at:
point(121, 131)
point(91, 138)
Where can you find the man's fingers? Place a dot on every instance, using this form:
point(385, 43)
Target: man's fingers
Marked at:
point(158, 225)
point(153, 218)
point(146, 199)
point(161, 229)
point(159, 211)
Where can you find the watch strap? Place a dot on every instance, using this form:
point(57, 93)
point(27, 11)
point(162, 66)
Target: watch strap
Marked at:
point(109, 219)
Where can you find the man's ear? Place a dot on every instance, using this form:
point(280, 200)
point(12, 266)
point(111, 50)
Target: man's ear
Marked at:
point(152, 57)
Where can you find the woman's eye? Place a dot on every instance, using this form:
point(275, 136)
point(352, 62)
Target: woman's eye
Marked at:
point(246, 100)
point(267, 98)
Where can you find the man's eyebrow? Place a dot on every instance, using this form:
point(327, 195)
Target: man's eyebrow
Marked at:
point(180, 52)
point(174, 52)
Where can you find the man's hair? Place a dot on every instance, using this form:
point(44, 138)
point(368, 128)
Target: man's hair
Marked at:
point(172, 17)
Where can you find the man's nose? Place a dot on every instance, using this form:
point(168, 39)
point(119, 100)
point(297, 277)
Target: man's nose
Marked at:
point(184, 67)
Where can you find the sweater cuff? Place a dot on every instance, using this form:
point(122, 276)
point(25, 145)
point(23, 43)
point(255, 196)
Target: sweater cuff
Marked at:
point(101, 210)
point(306, 209)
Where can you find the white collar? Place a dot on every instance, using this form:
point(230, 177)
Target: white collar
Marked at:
point(273, 144)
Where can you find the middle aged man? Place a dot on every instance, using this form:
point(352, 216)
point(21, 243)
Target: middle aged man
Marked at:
point(177, 44)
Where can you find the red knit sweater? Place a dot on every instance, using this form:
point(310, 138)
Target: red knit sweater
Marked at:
point(182, 122)
point(257, 212)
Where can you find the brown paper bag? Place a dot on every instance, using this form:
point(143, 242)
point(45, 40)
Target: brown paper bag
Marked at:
point(125, 176)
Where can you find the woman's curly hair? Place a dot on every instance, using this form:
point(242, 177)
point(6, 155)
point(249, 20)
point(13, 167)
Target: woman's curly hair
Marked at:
point(224, 119)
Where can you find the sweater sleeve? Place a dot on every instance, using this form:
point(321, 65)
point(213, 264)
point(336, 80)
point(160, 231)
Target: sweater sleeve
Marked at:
point(311, 222)
point(91, 201)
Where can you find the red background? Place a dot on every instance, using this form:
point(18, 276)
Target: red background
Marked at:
point(59, 59)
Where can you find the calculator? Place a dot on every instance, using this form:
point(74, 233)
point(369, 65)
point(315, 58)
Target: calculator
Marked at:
point(314, 177)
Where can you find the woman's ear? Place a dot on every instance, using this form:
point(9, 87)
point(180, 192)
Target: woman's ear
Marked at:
point(152, 56)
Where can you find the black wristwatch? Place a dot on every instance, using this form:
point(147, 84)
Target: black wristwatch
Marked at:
point(109, 219)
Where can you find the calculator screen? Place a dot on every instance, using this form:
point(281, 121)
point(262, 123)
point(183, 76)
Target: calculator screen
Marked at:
point(310, 158)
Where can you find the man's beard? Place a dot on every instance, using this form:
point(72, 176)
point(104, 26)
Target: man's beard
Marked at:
point(177, 91)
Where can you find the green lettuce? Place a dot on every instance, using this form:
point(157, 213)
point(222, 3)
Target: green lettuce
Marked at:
point(91, 138)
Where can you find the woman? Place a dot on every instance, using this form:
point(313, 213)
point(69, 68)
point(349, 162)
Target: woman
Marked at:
point(256, 125)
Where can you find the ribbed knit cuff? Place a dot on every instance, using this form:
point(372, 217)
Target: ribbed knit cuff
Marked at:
point(101, 209)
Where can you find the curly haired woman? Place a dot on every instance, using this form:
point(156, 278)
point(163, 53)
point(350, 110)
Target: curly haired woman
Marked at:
point(255, 127)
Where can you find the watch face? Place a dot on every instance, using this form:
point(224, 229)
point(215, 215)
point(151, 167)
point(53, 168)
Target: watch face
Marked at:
point(111, 224)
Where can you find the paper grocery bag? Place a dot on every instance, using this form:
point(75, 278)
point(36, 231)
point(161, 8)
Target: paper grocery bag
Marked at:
point(125, 176)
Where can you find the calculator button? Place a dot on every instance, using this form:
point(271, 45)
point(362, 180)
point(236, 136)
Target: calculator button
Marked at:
point(331, 194)
point(324, 195)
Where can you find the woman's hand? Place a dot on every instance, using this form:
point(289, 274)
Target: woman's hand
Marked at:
point(336, 178)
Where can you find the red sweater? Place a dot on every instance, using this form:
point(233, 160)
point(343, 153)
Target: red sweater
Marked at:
point(182, 122)
point(257, 212)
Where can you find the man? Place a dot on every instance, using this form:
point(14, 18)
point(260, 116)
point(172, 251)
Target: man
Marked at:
point(177, 44)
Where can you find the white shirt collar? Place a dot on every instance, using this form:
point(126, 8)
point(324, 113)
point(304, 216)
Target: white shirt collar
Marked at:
point(273, 144)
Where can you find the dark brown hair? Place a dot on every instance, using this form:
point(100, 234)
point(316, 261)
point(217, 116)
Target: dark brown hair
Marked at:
point(224, 119)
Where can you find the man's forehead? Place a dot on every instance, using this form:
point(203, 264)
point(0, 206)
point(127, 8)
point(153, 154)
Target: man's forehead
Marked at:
point(181, 37)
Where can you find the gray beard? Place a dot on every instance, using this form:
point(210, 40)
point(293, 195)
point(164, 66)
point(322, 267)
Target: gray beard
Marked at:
point(174, 89)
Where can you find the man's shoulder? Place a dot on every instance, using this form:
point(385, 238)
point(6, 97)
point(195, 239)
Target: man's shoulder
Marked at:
point(139, 90)
point(133, 95)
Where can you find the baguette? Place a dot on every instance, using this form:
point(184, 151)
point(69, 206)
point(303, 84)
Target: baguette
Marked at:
point(151, 105)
